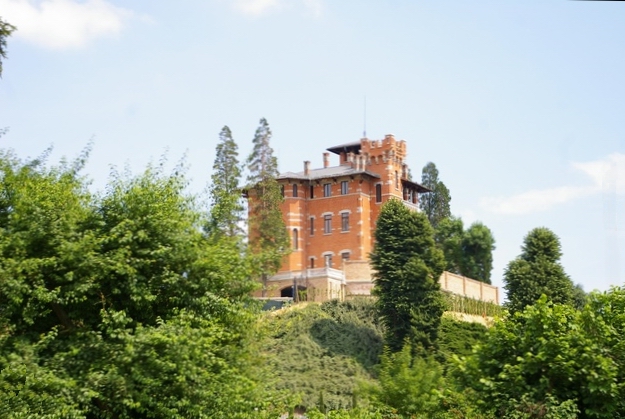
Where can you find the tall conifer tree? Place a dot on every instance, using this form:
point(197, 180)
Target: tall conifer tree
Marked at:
point(434, 204)
point(5, 31)
point(537, 271)
point(227, 209)
point(269, 240)
point(407, 265)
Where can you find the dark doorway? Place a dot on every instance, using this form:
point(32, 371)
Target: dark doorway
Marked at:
point(288, 292)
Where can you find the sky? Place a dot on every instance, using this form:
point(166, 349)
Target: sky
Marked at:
point(520, 104)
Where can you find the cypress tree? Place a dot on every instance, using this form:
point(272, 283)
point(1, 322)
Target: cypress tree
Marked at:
point(434, 204)
point(227, 209)
point(537, 271)
point(5, 31)
point(269, 240)
point(407, 265)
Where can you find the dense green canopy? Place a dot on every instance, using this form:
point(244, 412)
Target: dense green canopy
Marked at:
point(407, 267)
point(115, 305)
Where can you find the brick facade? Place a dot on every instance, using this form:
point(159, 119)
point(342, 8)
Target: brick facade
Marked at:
point(330, 214)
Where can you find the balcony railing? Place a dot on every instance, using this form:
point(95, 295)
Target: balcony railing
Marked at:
point(411, 206)
point(324, 272)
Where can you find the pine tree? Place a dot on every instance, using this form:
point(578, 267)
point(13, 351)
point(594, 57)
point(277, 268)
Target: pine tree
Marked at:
point(225, 194)
point(537, 271)
point(434, 204)
point(269, 240)
point(5, 31)
point(407, 265)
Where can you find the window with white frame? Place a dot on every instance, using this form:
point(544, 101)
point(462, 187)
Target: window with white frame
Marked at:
point(328, 260)
point(345, 221)
point(327, 189)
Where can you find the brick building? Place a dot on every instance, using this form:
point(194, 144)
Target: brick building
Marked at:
point(330, 213)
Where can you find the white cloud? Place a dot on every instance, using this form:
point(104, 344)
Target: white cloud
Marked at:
point(262, 7)
point(62, 24)
point(256, 7)
point(607, 175)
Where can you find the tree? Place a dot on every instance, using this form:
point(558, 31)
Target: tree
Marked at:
point(5, 31)
point(269, 240)
point(407, 265)
point(410, 385)
point(225, 193)
point(537, 271)
point(580, 297)
point(448, 236)
point(477, 252)
point(553, 361)
point(467, 252)
point(116, 306)
point(434, 204)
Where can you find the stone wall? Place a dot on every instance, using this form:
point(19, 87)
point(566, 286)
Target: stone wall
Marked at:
point(468, 287)
point(356, 280)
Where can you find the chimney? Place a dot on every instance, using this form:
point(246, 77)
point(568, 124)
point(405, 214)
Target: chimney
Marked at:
point(326, 159)
point(306, 168)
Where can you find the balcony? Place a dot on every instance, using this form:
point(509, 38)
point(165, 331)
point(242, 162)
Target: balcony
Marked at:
point(411, 206)
point(324, 272)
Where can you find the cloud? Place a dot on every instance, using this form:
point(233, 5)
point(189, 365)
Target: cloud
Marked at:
point(607, 175)
point(262, 7)
point(63, 24)
point(256, 7)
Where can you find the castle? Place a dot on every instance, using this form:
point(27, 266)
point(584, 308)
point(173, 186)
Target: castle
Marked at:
point(330, 214)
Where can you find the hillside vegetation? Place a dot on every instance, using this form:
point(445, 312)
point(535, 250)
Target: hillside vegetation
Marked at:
point(326, 352)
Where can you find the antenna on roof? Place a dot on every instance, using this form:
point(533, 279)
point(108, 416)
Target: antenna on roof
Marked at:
point(364, 131)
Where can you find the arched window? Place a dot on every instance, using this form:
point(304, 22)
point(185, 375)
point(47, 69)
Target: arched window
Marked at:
point(295, 190)
point(295, 237)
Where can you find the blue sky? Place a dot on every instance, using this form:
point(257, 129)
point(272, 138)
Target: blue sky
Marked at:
point(520, 104)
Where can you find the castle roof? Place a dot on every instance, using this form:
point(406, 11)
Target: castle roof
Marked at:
point(354, 147)
point(327, 172)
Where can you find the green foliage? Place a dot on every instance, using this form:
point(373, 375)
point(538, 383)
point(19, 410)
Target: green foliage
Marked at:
point(325, 348)
point(411, 386)
point(434, 204)
point(225, 192)
point(407, 265)
point(269, 240)
point(467, 305)
point(552, 360)
point(467, 252)
point(117, 306)
point(346, 414)
point(448, 237)
point(580, 297)
point(5, 31)
point(457, 338)
point(537, 271)
point(477, 252)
